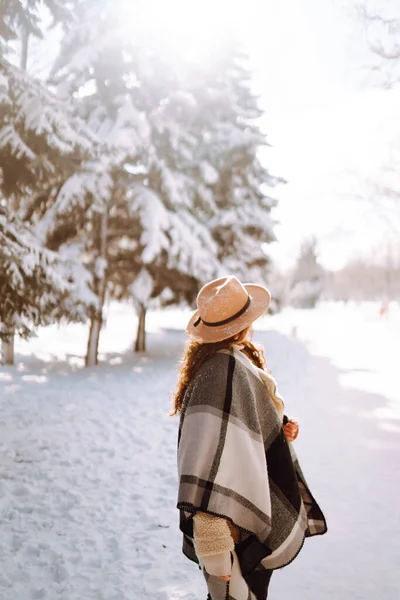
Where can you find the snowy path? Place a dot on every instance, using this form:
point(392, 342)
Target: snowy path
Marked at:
point(88, 475)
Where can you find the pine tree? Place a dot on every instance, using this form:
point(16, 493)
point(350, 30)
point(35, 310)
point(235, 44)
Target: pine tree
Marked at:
point(137, 104)
point(21, 20)
point(40, 143)
point(241, 222)
point(189, 196)
point(92, 59)
point(41, 146)
point(213, 157)
point(307, 278)
point(37, 286)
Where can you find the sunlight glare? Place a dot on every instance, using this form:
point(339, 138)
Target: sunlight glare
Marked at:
point(188, 29)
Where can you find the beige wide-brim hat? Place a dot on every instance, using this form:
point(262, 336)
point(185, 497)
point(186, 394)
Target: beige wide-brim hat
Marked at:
point(225, 307)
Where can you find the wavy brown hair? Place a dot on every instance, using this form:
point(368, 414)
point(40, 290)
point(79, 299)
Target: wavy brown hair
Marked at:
point(197, 353)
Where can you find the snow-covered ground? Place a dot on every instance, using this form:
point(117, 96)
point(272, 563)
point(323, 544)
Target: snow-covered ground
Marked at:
point(88, 473)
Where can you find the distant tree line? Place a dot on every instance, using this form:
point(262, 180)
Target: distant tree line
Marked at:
point(374, 277)
point(366, 279)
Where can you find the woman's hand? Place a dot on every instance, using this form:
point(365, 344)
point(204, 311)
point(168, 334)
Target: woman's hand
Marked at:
point(291, 430)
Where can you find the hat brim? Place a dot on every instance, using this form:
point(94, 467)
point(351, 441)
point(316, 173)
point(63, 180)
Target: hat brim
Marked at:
point(260, 301)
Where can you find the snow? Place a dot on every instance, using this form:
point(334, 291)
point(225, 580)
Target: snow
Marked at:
point(9, 136)
point(190, 246)
point(82, 278)
point(142, 287)
point(62, 282)
point(88, 473)
point(3, 82)
point(100, 267)
point(44, 113)
point(154, 220)
point(208, 174)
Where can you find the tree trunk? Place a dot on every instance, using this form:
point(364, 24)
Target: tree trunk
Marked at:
point(8, 350)
point(140, 344)
point(93, 342)
point(100, 286)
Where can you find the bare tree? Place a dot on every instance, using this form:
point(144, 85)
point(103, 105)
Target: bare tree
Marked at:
point(372, 277)
point(381, 21)
point(381, 25)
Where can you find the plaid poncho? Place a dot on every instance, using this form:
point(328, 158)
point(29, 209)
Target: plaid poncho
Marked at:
point(234, 461)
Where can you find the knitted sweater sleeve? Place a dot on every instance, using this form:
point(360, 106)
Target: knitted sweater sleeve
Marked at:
point(213, 543)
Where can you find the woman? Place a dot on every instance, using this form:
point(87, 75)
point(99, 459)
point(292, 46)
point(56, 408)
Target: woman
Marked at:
point(245, 507)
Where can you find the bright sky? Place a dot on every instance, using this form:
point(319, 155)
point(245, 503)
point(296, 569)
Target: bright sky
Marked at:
point(329, 128)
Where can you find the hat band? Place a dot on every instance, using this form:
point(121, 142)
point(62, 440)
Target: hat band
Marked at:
point(225, 321)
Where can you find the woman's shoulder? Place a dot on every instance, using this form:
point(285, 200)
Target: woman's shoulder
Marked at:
point(209, 382)
point(224, 363)
point(243, 362)
point(215, 366)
